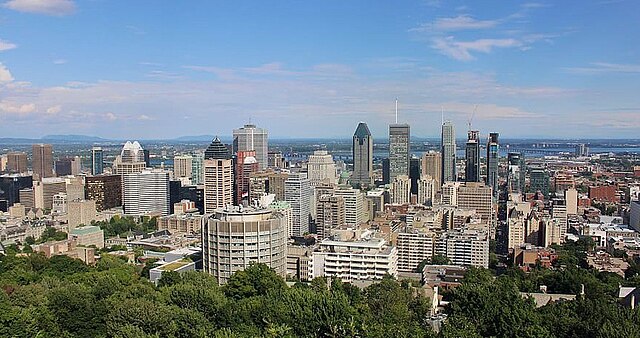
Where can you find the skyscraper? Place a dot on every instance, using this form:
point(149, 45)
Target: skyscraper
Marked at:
point(432, 166)
point(448, 143)
point(250, 137)
point(146, 192)
point(298, 192)
point(197, 163)
point(245, 165)
point(16, 162)
point(218, 177)
point(131, 159)
point(321, 168)
point(42, 161)
point(399, 150)
point(493, 156)
point(182, 166)
point(362, 156)
point(472, 157)
point(539, 178)
point(97, 161)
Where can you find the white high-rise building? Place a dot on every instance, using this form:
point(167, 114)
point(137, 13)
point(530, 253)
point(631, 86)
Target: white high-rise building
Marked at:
point(146, 192)
point(131, 159)
point(464, 247)
point(571, 197)
point(414, 246)
point(355, 210)
point(401, 190)
point(298, 192)
point(218, 184)
point(251, 137)
point(448, 142)
point(321, 168)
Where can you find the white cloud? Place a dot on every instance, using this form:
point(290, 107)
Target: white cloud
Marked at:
point(605, 67)
point(145, 117)
point(462, 22)
point(47, 7)
point(5, 74)
point(17, 108)
point(54, 110)
point(59, 61)
point(462, 50)
point(6, 45)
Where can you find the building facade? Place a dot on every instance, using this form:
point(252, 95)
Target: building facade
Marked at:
point(362, 156)
point(399, 150)
point(253, 138)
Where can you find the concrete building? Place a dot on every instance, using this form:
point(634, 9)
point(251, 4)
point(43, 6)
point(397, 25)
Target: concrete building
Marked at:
point(131, 159)
point(146, 192)
point(477, 196)
point(427, 187)
point(253, 138)
point(87, 235)
point(298, 193)
point(571, 198)
point(186, 223)
point(321, 169)
point(399, 150)
point(464, 247)
point(234, 238)
point(414, 246)
point(432, 166)
point(218, 177)
point(59, 203)
point(448, 143)
point(634, 215)
point(330, 214)
point(352, 261)
point(105, 190)
point(183, 166)
point(401, 190)
point(277, 181)
point(68, 166)
point(354, 205)
point(362, 156)
point(450, 193)
point(42, 158)
point(81, 213)
point(16, 163)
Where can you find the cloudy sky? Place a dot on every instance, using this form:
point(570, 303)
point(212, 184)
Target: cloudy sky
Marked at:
point(163, 69)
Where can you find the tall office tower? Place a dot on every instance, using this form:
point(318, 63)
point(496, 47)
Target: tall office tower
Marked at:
point(298, 192)
point(16, 162)
point(321, 169)
point(516, 172)
point(68, 166)
point(218, 177)
point(131, 159)
point(385, 171)
point(448, 144)
point(245, 165)
point(276, 184)
point(197, 165)
point(250, 137)
point(399, 150)
point(42, 161)
point(10, 186)
point(414, 174)
point(182, 166)
point(75, 188)
point(362, 156)
point(426, 190)
point(330, 214)
point(493, 156)
point(234, 238)
point(146, 192)
point(106, 190)
point(475, 195)
point(472, 157)
point(355, 205)
point(97, 161)
point(432, 166)
point(539, 179)
point(401, 190)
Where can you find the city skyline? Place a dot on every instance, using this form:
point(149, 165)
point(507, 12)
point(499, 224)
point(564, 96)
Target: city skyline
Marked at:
point(159, 71)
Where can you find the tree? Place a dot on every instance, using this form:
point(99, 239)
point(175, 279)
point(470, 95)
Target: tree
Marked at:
point(256, 280)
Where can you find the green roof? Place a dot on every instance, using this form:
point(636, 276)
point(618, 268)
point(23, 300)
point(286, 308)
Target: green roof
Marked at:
point(85, 230)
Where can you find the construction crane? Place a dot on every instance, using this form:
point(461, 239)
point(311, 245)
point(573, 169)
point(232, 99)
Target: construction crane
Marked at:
point(475, 107)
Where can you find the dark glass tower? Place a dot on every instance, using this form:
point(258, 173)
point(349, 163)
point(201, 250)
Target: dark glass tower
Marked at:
point(399, 138)
point(493, 156)
point(472, 157)
point(362, 156)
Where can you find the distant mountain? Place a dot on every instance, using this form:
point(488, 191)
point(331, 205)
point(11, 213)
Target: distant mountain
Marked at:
point(73, 138)
point(194, 138)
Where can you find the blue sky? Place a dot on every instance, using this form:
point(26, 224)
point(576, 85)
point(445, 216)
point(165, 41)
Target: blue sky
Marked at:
point(162, 69)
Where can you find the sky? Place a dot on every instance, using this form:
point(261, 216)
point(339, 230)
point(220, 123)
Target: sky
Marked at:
point(162, 69)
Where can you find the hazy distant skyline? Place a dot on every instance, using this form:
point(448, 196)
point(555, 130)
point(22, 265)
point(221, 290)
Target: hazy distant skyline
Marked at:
point(162, 69)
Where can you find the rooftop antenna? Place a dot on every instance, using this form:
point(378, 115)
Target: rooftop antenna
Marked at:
point(396, 110)
point(472, 115)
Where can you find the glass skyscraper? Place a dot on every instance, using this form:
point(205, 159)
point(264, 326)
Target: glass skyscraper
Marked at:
point(399, 150)
point(448, 142)
point(97, 161)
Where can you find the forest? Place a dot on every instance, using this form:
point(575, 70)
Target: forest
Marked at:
point(61, 297)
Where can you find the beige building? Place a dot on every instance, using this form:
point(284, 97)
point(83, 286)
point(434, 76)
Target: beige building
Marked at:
point(427, 187)
point(81, 212)
point(87, 235)
point(401, 190)
point(330, 213)
point(432, 166)
point(478, 196)
point(186, 223)
point(234, 238)
point(218, 184)
point(182, 166)
point(354, 205)
point(16, 162)
point(321, 169)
